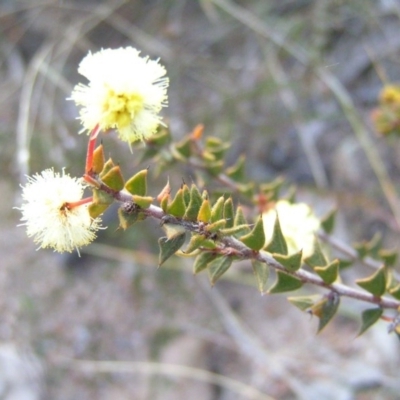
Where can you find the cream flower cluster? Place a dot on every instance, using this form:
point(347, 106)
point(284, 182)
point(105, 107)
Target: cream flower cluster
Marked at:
point(125, 92)
point(298, 224)
point(46, 214)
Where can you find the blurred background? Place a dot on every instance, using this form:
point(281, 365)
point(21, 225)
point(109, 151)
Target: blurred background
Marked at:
point(291, 83)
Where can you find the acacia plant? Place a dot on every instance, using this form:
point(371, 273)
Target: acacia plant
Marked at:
point(125, 94)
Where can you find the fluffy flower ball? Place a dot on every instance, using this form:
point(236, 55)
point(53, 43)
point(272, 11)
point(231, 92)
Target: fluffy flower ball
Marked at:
point(298, 224)
point(125, 92)
point(47, 217)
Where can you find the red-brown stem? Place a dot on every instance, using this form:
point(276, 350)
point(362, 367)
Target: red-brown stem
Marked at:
point(92, 181)
point(90, 149)
point(71, 205)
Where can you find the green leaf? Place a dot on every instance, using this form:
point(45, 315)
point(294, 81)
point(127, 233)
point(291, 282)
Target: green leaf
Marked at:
point(240, 219)
point(329, 273)
point(368, 318)
point(215, 226)
point(214, 167)
point(229, 213)
point(317, 259)
point(177, 207)
point(202, 260)
point(278, 243)
point(217, 211)
point(186, 194)
point(114, 179)
point(107, 167)
point(236, 171)
point(328, 310)
point(98, 160)
point(255, 239)
point(261, 271)
point(101, 197)
point(142, 201)
point(168, 247)
point(374, 284)
point(97, 209)
point(194, 205)
point(183, 149)
point(362, 249)
point(216, 147)
point(172, 230)
point(285, 283)
point(197, 241)
point(304, 303)
point(328, 222)
point(127, 219)
point(218, 267)
point(395, 291)
point(292, 263)
point(389, 257)
point(138, 183)
point(236, 231)
point(204, 212)
point(343, 264)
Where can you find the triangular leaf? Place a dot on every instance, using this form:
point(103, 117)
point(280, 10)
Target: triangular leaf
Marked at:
point(186, 194)
point(194, 205)
point(292, 263)
point(395, 291)
point(183, 149)
point(328, 310)
point(329, 273)
point(173, 230)
point(97, 209)
point(317, 259)
point(236, 231)
point(101, 197)
point(218, 267)
point(202, 260)
point(255, 239)
point(197, 241)
point(114, 179)
point(229, 212)
point(127, 219)
point(343, 264)
point(261, 271)
point(328, 222)
point(375, 283)
point(142, 201)
point(304, 303)
point(138, 183)
point(278, 243)
point(168, 247)
point(204, 212)
point(368, 318)
point(240, 219)
point(389, 257)
point(216, 226)
point(285, 283)
point(236, 171)
point(98, 160)
point(217, 211)
point(177, 206)
point(107, 167)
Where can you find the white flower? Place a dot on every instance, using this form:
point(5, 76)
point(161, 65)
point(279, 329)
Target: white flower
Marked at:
point(49, 219)
point(298, 224)
point(125, 92)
